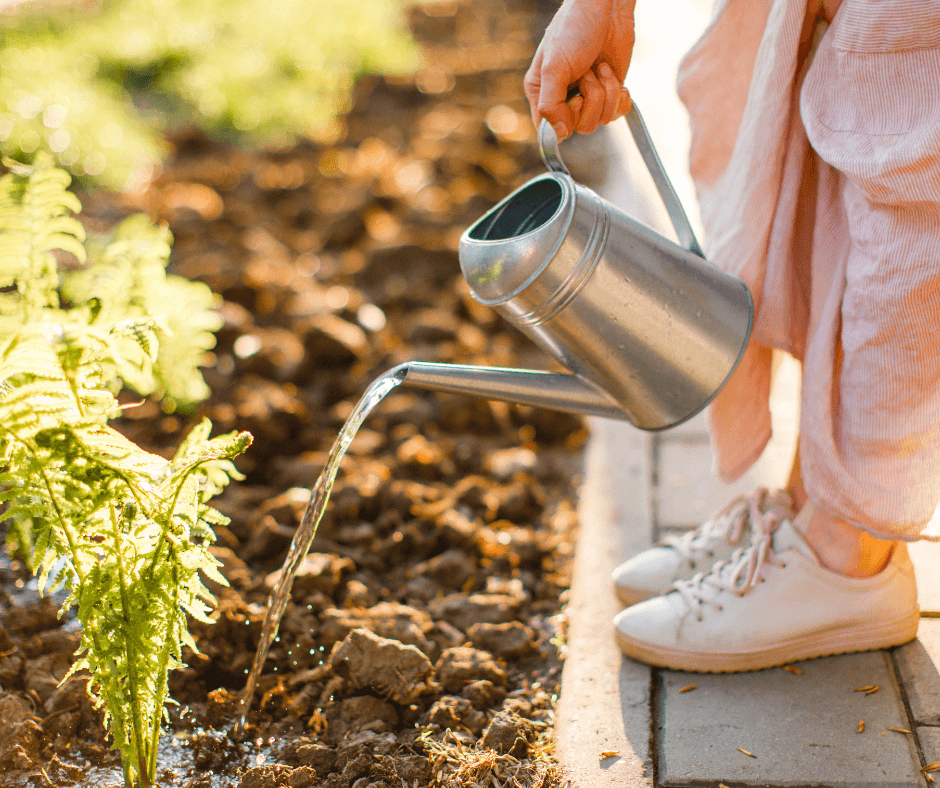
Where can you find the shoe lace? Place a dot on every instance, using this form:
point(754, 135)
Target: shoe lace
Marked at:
point(728, 523)
point(739, 573)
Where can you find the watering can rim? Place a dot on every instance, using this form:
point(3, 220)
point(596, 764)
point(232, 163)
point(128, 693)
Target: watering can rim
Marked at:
point(562, 178)
point(551, 233)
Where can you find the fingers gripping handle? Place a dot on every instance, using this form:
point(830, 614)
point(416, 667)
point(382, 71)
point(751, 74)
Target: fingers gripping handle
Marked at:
point(548, 148)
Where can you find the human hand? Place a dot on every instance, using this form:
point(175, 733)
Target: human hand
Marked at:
point(589, 42)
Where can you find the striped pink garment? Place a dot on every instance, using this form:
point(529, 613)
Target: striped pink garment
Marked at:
point(816, 154)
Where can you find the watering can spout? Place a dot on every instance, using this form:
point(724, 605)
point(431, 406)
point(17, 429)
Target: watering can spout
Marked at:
point(551, 390)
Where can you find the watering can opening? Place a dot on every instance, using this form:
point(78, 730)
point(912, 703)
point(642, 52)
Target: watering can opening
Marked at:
point(533, 206)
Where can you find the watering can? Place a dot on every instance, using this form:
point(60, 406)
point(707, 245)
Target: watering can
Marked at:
point(649, 329)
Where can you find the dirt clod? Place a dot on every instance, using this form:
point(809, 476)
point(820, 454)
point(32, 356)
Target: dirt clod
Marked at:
point(14, 709)
point(212, 750)
point(6, 642)
point(511, 639)
point(265, 777)
point(307, 752)
point(509, 734)
point(391, 668)
point(483, 694)
point(10, 667)
point(463, 611)
point(29, 619)
point(456, 712)
point(358, 714)
point(317, 572)
point(386, 619)
point(463, 665)
point(45, 672)
point(451, 569)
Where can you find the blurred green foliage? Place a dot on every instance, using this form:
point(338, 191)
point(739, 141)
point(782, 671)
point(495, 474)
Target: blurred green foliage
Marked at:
point(95, 84)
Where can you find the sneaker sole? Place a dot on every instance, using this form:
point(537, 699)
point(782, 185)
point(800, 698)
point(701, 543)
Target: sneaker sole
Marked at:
point(847, 640)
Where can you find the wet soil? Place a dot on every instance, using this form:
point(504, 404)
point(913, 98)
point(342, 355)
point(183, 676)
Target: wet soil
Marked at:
point(424, 640)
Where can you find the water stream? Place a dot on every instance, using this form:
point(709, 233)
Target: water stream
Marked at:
point(307, 529)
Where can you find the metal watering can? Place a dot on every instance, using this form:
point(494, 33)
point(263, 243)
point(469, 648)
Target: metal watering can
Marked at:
point(650, 329)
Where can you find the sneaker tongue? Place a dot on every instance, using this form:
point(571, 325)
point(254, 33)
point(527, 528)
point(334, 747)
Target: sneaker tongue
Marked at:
point(786, 537)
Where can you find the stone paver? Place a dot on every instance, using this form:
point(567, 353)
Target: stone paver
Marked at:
point(930, 745)
point(919, 666)
point(605, 699)
point(801, 728)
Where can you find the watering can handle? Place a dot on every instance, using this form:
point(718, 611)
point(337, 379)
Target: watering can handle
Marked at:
point(548, 148)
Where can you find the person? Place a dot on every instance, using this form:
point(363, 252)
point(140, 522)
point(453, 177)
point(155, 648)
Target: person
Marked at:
point(816, 157)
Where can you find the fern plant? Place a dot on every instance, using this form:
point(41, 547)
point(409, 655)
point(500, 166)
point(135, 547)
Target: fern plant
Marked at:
point(125, 532)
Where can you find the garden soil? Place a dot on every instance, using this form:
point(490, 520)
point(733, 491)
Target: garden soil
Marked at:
point(424, 641)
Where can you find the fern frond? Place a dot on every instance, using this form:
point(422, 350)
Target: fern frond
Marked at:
point(34, 221)
point(188, 310)
point(127, 280)
point(107, 447)
point(122, 531)
point(209, 462)
point(122, 271)
point(30, 353)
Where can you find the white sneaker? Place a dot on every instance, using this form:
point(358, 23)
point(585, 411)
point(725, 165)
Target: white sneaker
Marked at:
point(655, 571)
point(770, 604)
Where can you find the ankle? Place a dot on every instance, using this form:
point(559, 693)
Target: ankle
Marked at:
point(842, 548)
